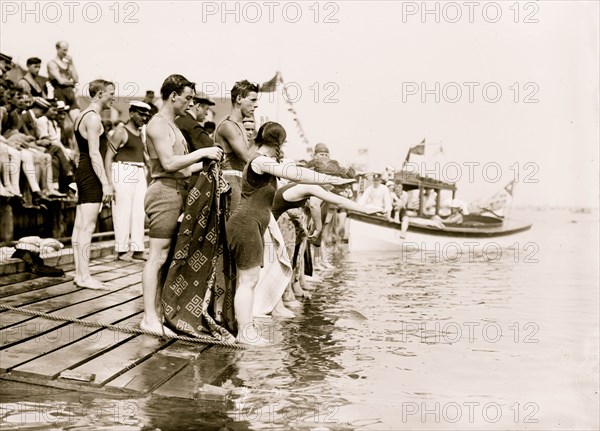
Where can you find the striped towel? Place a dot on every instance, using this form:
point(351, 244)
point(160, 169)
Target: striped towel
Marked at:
point(275, 274)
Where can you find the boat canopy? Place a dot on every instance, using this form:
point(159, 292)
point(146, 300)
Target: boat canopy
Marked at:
point(412, 180)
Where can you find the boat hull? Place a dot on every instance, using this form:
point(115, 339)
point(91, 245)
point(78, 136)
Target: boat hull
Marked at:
point(369, 233)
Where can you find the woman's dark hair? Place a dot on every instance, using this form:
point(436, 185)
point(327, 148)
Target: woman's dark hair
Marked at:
point(271, 134)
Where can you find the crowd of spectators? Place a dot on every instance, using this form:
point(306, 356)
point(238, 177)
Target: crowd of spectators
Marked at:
point(38, 152)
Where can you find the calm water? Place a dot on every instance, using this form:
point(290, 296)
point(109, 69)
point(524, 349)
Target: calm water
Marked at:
point(491, 341)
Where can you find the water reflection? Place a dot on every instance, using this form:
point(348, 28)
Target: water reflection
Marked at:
point(442, 337)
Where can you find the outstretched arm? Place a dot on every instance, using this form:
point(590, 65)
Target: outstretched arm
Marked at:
point(303, 191)
point(340, 201)
point(292, 172)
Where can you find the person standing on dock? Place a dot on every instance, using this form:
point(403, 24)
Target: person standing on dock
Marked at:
point(125, 160)
point(231, 135)
point(93, 187)
point(170, 168)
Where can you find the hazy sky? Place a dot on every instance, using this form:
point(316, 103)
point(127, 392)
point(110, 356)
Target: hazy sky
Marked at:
point(376, 75)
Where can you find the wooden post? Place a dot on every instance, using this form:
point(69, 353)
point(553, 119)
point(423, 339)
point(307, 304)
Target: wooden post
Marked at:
point(421, 200)
point(6, 221)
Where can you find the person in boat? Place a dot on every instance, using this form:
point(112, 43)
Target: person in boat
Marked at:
point(399, 200)
point(245, 228)
point(376, 196)
point(455, 217)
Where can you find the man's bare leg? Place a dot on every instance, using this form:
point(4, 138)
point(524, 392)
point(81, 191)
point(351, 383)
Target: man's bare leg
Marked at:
point(243, 303)
point(404, 226)
point(157, 256)
point(86, 216)
point(29, 165)
point(13, 170)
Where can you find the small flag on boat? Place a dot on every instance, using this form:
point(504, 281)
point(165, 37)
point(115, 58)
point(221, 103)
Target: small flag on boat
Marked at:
point(509, 187)
point(417, 149)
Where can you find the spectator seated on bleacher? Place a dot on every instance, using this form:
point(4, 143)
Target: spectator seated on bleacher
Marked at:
point(32, 83)
point(48, 129)
point(34, 155)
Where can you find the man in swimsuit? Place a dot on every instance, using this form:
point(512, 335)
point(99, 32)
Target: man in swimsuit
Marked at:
point(170, 167)
point(93, 187)
point(232, 136)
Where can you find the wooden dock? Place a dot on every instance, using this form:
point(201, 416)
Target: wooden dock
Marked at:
point(66, 355)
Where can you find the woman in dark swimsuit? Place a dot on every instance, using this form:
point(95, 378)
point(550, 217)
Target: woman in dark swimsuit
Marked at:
point(247, 225)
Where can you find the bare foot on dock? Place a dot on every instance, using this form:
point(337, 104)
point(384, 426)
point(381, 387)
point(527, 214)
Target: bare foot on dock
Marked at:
point(156, 327)
point(90, 283)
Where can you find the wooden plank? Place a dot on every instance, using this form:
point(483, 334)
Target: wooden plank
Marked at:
point(58, 302)
point(187, 383)
point(182, 385)
point(49, 366)
point(31, 286)
point(100, 272)
point(38, 325)
point(111, 278)
point(149, 374)
point(113, 363)
point(16, 278)
point(43, 344)
point(101, 264)
point(128, 381)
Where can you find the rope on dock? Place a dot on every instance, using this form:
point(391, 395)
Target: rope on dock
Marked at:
point(130, 330)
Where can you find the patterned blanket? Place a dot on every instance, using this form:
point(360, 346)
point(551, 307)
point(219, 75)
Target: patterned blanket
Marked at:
point(197, 297)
